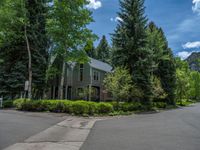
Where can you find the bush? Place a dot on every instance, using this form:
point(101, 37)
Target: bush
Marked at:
point(105, 108)
point(8, 104)
point(122, 113)
point(68, 107)
point(93, 108)
point(64, 106)
point(19, 104)
point(80, 108)
point(185, 103)
point(84, 108)
point(134, 106)
point(160, 105)
point(57, 106)
point(126, 107)
point(116, 106)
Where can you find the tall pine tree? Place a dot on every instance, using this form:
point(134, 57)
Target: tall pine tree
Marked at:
point(13, 47)
point(13, 68)
point(164, 65)
point(167, 74)
point(37, 35)
point(90, 49)
point(130, 41)
point(103, 50)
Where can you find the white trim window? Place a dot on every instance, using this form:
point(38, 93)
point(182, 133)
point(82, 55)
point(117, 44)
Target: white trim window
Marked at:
point(96, 75)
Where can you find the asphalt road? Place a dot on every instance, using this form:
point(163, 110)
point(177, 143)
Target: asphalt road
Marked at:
point(170, 130)
point(17, 126)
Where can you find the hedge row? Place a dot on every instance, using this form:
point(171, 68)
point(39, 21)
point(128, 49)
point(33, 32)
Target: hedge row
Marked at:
point(8, 104)
point(127, 107)
point(64, 106)
point(79, 107)
point(136, 106)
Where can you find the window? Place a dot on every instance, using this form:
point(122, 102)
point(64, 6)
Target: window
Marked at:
point(96, 76)
point(81, 72)
point(80, 91)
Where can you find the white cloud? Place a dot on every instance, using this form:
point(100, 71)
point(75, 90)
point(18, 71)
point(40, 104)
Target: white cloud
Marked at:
point(196, 6)
point(184, 54)
point(116, 19)
point(94, 4)
point(190, 45)
point(112, 19)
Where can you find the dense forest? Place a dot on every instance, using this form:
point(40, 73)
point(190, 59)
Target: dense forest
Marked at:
point(32, 32)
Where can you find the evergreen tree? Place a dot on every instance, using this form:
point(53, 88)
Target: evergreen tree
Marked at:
point(90, 49)
point(12, 76)
point(156, 44)
point(37, 35)
point(103, 50)
point(130, 45)
point(16, 16)
point(167, 72)
point(163, 66)
point(12, 70)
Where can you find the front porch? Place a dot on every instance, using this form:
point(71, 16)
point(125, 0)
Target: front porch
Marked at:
point(77, 93)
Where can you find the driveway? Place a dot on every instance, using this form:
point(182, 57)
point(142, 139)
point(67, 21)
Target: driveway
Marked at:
point(169, 130)
point(17, 126)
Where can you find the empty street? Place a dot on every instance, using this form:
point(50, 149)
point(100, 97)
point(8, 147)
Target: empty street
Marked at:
point(169, 130)
point(17, 126)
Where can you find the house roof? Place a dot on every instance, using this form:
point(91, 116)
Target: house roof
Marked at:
point(94, 63)
point(100, 65)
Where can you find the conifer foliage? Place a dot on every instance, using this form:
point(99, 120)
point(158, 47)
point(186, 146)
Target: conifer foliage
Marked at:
point(14, 17)
point(163, 61)
point(130, 45)
point(103, 50)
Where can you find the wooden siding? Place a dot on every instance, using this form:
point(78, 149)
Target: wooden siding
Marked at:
point(72, 78)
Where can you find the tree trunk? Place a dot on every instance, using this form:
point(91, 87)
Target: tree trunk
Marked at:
point(29, 65)
point(62, 80)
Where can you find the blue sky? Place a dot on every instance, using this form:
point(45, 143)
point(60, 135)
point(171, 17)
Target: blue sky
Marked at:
point(180, 20)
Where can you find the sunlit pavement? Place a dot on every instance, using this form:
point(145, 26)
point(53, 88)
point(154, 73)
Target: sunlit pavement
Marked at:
point(169, 130)
point(17, 126)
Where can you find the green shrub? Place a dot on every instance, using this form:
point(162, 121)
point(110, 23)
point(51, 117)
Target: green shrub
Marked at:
point(43, 106)
point(8, 104)
point(126, 107)
point(115, 105)
point(122, 113)
point(149, 107)
point(64, 106)
point(105, 108)
point(160, 105)
point(134, 106)
point(19, 104)
point(56, 106)
point(29, 105)
point(68, 107)
point(93, 108)
point(185, 103)
point(80, 108)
